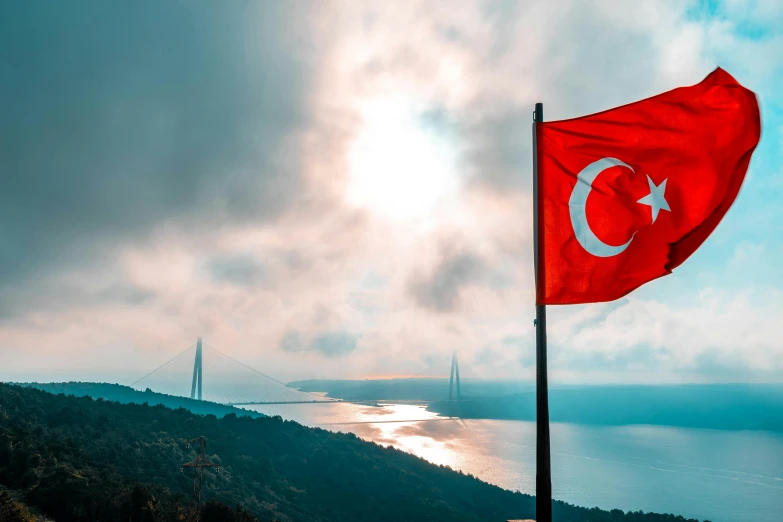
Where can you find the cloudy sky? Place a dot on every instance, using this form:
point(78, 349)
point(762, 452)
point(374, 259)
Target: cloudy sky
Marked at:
point(343, 189)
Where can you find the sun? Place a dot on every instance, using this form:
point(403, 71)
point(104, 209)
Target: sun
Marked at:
point(398, 166)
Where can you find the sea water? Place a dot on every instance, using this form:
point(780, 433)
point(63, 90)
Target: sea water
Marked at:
point(721, 476)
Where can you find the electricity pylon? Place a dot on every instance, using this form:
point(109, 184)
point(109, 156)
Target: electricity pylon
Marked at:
point(198, 465)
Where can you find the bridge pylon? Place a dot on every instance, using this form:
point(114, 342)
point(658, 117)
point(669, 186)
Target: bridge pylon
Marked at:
point(197, 373)
point(232, 382)
point(454, 372)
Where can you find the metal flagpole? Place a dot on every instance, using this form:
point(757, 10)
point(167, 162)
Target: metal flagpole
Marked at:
point(543, 469)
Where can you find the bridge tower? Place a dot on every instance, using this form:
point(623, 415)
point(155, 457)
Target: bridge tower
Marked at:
point(454, 371)
point(197, 373)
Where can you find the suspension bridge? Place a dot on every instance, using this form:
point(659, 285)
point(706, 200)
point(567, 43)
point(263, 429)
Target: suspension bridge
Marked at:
point(231, 382)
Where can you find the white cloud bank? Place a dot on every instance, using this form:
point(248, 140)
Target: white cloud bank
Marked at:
point(326, 287)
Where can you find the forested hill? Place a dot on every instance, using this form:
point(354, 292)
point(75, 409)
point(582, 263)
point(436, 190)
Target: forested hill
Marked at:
point(127, 395)
point(75, 458)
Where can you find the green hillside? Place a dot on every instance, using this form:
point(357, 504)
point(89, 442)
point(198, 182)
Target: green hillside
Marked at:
point(127, 395)
point(75, 458)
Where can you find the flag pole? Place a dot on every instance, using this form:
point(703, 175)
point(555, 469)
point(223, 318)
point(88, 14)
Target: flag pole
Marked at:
point(543, 469)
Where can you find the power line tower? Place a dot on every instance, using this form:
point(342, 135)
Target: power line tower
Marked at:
point(454, 371)
point(197, 364)
point(198, 465)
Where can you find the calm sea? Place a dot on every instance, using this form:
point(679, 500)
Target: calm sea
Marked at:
point(722, 476)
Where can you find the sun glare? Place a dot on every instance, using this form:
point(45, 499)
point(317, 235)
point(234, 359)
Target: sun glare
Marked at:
point(398, 167)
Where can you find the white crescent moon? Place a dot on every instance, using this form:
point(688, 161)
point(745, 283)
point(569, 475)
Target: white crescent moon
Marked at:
point(577, 207)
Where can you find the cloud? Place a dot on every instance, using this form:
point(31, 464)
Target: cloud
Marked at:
point(731, 337)
point(131, 295)
point(122, 119)
point(334, 344)
point(242, 270)
point(328, 344)
point(179, 170)
point(746, 252)
point(68, 293)
point(440, 290)
point(292, 342)
point(500, 153)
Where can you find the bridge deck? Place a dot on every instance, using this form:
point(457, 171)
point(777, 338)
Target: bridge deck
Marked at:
point(332, 401)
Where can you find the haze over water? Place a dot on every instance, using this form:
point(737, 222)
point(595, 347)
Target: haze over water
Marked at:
point(721, 476)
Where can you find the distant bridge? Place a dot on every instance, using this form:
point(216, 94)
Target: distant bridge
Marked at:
point(234, 383)
point(229, 382)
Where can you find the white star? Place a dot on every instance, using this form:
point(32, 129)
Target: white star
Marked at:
point(655, 199)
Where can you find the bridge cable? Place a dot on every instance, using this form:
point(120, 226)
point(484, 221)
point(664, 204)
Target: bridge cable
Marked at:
point(164, 364)
point(279, 394)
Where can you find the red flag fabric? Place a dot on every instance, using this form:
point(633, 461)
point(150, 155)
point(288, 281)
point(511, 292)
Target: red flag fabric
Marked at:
point(628, 194)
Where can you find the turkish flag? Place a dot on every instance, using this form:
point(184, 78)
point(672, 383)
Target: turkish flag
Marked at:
point(626, 195)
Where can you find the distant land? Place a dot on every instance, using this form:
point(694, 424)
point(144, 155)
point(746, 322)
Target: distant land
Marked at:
point(415, 389)
point(711, 406)
point(75, 458)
